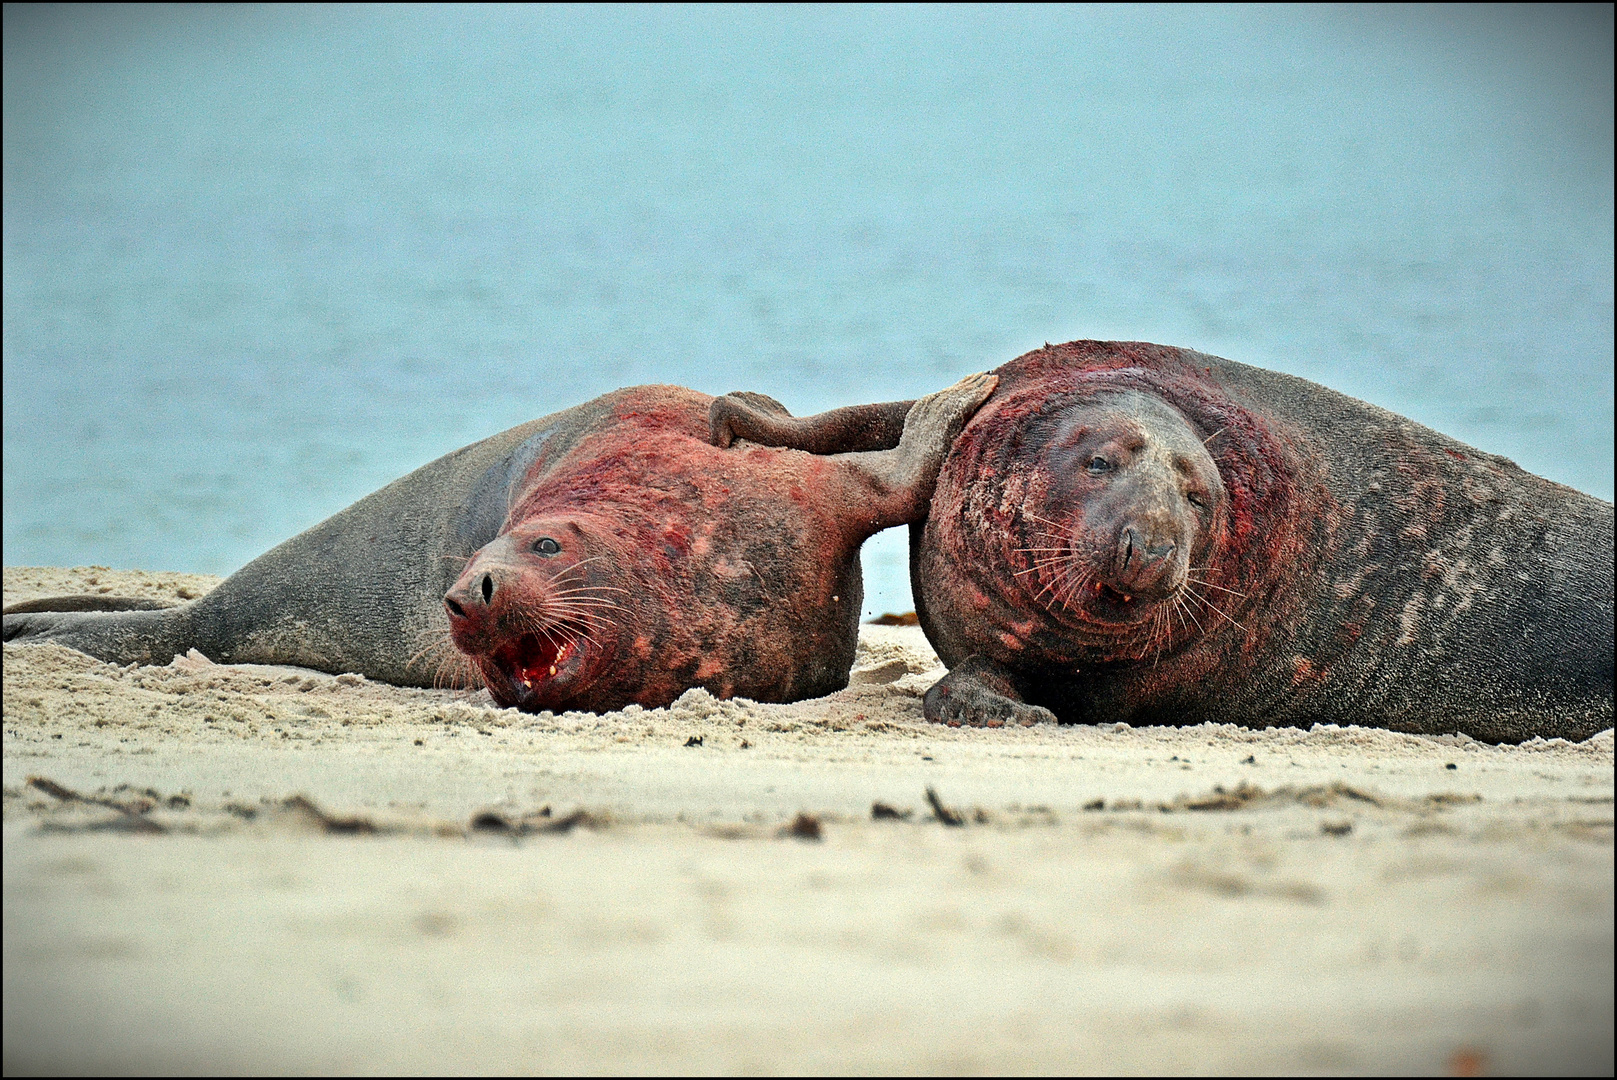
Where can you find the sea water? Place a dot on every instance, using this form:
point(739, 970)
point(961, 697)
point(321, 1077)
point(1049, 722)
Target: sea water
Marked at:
point(261, 261)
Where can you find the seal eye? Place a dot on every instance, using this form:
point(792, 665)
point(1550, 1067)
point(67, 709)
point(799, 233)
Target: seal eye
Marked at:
point(1197, 500)
point(1098, 465)
point(546, 546)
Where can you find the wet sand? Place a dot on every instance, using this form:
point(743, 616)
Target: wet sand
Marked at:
point(257, 869)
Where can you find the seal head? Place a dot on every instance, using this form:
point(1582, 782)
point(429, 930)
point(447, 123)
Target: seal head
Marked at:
point(536, 611)
point(1127, 503)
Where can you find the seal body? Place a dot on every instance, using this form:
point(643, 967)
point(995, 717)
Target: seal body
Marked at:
point(1298, 557)
point(1131, 532)
point(605, 555)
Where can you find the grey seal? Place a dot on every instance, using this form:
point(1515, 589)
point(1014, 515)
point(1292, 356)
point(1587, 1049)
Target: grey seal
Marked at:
point(604, 555)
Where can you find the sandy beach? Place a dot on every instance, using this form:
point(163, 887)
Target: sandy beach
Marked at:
point(260, 869)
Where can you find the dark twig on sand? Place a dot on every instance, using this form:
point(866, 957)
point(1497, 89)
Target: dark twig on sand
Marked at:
point(133, 818)
point(535, 824)
point(328, 822)
point(945, 815)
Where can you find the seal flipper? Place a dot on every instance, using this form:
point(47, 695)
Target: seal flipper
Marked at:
point(143, 637)
point(761, 402)
point(981, 693)
point(892, 487)
point(89, 602)
point(763, 420)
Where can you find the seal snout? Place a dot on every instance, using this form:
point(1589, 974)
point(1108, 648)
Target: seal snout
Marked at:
point(491, 611)
point(1138, 549)
point(458, 609)
point(1144, 562)
point(470, 601)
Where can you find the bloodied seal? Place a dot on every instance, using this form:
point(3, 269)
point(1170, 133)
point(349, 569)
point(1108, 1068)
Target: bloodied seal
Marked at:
point(1130, 532)
point(605, 555)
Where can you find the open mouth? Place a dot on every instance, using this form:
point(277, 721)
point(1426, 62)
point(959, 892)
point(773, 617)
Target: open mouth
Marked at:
point(531, 660)
point(1110, 602)
point(1109, 595)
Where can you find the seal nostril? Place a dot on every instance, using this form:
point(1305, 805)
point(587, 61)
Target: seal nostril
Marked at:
point(488, 588)
point(456, 608)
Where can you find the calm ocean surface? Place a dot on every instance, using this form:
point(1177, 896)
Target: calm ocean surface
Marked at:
point(259, 262)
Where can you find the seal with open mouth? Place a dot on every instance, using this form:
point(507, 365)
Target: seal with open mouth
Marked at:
point(644, 560)
point(1131, 532)
point(605, 555)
